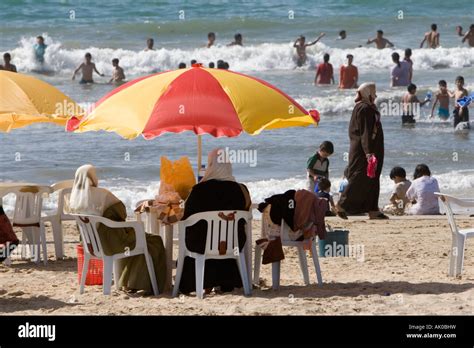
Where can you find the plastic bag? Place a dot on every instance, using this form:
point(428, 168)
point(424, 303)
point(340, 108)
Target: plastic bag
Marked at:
point(168, 204)
point(372, 167)
point(178, 174)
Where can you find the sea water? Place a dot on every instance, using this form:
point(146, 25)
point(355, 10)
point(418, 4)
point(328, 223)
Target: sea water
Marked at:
point(119, 29)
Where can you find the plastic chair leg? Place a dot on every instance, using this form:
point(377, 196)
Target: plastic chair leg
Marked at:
point(151, 273)
point(242, 265)
point(108, 270)
point(42, 232)
point(24, 246)
point(303, 265)
point(453, 256)
point(85, 268)
point(200, 263)
point(116, 275)
point(276, 275)
point(36, 244)
point(316, 263)
point(179, 272)
point(257, 265)
point(460, 255)
point(56, 226)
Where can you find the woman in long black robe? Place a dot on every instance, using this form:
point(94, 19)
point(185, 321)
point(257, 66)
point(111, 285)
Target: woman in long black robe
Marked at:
point(361, 195)
point(217, 191)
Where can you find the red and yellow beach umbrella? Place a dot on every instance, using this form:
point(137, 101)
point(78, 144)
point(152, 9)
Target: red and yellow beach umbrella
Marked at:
point(205, 101)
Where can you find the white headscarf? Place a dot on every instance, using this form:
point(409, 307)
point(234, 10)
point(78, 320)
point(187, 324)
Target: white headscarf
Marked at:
point(86, 197)
point(365, 91)
point(218, 166)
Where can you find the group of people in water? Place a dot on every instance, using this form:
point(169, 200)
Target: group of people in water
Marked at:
point(401, 76)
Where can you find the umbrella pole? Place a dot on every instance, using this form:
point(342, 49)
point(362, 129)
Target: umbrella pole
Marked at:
point(199, 159)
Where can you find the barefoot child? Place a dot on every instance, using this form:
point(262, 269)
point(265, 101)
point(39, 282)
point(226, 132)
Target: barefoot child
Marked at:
point(442, 96)
point(411, 104)
point(87, 68)
point(460, 114)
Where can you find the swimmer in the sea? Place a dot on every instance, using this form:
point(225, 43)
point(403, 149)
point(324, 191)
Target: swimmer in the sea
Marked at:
point(118, 76)
point(469, 36)
point(7, 65)
point(149, 44)
point(380, 41)
point(87, 68)
point(431, 38)
point(211, 38)
point(300, 45)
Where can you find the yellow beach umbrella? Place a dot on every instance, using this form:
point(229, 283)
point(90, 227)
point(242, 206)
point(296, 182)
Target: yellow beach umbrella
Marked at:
point(25, 100)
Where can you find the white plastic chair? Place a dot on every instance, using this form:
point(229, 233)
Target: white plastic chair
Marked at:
point(286, 241)
point(458, 236)
point(56, 219)
point(92, 246)
point(27, 216)
point(218, 230)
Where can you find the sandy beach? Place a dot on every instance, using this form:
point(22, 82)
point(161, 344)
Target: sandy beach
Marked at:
point(403, 270)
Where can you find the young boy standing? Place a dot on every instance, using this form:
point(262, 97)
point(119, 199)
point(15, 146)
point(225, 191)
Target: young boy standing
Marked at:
point(87, 68)
point(411, 104)
point(442, 96)
point(118, 75)
point(300, 45)
point(460, 114)
point(318, 164)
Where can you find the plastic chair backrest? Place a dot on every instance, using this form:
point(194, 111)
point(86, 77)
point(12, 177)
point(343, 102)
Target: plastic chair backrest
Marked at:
point(89, 234)
point(222, 227)
point(62, 185)
point(63, 199)
point(449, 212)
point(450, 215)
point(28, 206)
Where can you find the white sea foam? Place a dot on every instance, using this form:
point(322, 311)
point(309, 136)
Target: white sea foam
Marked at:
point(261, 57)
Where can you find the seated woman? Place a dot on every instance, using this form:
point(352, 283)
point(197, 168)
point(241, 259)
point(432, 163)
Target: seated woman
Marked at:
point(421, 193)
point(88, 198)
point(216, 191)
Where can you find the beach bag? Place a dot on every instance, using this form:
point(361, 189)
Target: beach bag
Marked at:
point(179, 174)
point(8, 239)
